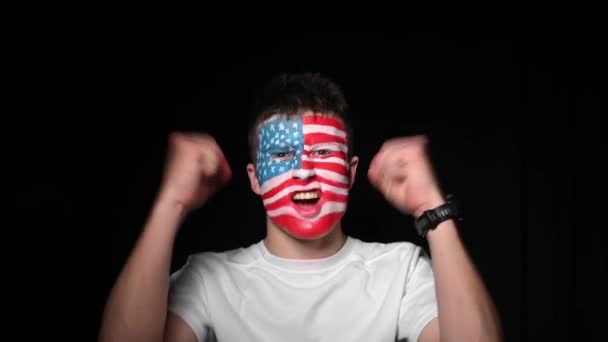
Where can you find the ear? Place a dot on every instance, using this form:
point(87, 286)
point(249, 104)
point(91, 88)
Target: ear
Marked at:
point(353, 170)
point(253, 179)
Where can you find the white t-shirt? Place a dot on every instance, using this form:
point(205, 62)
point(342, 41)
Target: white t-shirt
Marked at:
point(367, 291)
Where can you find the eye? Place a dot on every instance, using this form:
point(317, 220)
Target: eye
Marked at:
point(322, 152)
point(280, 156)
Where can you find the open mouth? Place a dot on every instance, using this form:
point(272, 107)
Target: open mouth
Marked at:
point(306, 199)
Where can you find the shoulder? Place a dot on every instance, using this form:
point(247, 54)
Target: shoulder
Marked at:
point(401, 251)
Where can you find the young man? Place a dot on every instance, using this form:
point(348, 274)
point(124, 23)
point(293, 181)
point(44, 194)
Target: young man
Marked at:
point(306, 280)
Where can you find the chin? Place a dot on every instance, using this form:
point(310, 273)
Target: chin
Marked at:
point(308, 231)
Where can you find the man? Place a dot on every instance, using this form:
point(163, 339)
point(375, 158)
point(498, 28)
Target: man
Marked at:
point(306, 280)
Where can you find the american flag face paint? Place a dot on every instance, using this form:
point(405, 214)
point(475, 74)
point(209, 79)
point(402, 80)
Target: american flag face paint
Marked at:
point(302, 168)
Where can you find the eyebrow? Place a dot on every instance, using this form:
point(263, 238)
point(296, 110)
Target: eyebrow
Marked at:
point(278, 149)
point(325, 144)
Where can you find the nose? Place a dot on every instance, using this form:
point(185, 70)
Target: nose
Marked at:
point(304, 168)
point(303, 173)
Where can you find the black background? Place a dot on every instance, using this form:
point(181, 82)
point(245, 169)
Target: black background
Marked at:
point(512, 110)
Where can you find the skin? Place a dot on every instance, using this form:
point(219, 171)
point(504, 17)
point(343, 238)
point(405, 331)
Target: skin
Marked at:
point(136, 309)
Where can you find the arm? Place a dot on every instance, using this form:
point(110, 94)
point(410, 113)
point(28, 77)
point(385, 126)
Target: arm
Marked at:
point(403, 173)
point(466, 311)
point(137, 306)
point(136, 309)
point(178, 330)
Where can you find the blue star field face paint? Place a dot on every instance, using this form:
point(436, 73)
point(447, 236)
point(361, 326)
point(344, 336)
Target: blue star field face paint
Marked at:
point(302, 169)
point(280, 146)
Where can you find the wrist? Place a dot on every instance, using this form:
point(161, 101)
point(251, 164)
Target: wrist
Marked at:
point(164, 218)
point(446, 228)
point(437, 213)
point(169, 204)
point(434, 202)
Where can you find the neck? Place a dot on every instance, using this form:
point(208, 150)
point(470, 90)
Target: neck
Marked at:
point(280, 243)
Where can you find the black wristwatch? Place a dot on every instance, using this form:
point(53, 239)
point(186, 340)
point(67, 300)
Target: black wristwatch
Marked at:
point(430, 219)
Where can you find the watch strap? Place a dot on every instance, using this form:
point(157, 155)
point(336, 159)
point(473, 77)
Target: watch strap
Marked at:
point(430, 219)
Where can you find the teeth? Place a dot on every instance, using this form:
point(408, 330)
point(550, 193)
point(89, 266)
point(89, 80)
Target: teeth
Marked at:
point(306, 195)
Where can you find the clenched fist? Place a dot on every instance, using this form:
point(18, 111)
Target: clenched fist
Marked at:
point(195, 169)
point(402, 172)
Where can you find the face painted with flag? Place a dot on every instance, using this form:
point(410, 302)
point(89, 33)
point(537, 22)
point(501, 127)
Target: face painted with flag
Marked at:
point(302, 168)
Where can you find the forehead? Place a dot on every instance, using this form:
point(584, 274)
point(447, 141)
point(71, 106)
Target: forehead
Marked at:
point(279, 133)
point(296, 131)
point(279, 118)
point(329, 122)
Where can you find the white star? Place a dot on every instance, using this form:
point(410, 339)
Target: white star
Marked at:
point(272, 127)
point(282, 136)
point(281, 127)
point(295, 125)
point(288, 140)
point(272, 169)
point(295, 134)
point(281, 169)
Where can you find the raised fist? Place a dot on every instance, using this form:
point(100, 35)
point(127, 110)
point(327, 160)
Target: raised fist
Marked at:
point(195, 169)
point(402, 172)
